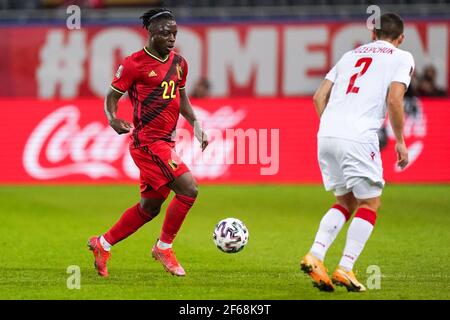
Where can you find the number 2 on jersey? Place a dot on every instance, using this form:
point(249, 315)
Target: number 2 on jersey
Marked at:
point(166, 86)
point(351, 85)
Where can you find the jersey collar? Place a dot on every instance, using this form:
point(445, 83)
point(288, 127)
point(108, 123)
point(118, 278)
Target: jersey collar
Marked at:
point(387, 43)
point(155, 57)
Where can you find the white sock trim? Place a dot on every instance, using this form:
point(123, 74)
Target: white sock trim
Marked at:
point(163, 245)
point(105, 244)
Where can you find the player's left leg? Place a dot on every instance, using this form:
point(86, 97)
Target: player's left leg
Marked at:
point(185, 189)
point(359, 231)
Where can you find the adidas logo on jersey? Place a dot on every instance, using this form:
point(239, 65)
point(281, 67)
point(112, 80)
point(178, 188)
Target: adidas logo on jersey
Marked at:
point(152, 74)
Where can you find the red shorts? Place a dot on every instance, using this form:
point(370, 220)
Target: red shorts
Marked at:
point(159, 165)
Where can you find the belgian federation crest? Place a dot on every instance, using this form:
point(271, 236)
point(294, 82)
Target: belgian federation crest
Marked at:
point(179, 71)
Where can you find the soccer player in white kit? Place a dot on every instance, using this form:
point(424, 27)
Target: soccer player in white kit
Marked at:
point(352, 102)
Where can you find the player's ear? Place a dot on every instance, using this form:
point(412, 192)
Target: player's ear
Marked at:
point(151, 29)
point(401, 38)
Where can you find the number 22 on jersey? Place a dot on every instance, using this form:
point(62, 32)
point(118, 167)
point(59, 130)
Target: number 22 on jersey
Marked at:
point(166, 86)
point(351, 85)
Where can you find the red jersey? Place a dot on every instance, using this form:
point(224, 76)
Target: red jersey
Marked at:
point(152, 84)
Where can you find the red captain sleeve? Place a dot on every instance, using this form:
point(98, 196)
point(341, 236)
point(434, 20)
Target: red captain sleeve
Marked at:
point(184, 68)
point(124, 77)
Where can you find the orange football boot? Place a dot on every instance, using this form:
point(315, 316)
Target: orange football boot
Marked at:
point(101, 256)
point(317, 272)
point(168, 260)
point(347, 279)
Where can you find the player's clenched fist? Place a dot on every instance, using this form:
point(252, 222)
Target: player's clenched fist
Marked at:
point(200, 135)
point(202, 138)
point(204, 142)
point(120, 126)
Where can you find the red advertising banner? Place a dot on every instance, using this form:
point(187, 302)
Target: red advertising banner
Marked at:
point(252, 141)
point(240, 60)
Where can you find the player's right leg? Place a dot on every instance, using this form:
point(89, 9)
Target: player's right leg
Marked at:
point(131, 220)
point(358, 233)
point(362, 168)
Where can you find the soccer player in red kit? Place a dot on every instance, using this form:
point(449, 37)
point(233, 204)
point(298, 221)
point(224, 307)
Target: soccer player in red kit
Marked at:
point(155, 79)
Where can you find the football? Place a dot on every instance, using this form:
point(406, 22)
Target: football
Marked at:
point(230, 235)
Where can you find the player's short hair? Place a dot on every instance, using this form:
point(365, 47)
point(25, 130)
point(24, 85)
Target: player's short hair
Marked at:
point(154, 15)
point(391, 26)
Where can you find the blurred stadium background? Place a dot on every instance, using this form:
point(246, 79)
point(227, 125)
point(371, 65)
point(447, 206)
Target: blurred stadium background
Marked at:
point(253, 65)
point(257, 62)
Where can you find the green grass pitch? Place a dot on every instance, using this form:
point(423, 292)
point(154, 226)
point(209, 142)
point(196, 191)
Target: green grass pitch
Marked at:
point(44, 229)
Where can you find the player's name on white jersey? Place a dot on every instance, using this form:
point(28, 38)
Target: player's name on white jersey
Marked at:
point(367, 49)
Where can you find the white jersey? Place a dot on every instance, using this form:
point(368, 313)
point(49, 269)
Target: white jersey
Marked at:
point(357, 105)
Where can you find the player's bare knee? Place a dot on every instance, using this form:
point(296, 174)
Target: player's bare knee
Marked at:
point(191, 191)
point(378, 204)
point(188, 190)
point(153, 210)
point(150, 208)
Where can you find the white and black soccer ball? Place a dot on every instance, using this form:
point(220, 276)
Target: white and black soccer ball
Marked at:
point(230, 235)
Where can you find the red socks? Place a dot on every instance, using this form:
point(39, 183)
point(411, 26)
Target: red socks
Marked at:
point(366, 214)
point(135, 217)
point(176, 212)
point(131, 220)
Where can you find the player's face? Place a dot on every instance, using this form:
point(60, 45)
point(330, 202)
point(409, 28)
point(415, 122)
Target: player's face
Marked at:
point(163, 36)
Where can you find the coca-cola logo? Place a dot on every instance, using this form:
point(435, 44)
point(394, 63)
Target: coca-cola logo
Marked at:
point(60, 146)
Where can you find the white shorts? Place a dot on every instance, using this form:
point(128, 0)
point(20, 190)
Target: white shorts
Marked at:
point(350, 166)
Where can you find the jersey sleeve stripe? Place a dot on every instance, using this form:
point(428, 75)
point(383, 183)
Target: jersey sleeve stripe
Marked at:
point(181, 88)
point(115, 89)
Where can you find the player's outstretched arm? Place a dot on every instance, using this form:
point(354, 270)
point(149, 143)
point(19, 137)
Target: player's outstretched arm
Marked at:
point(395, 109)
point(187, 112)
point(111, 106)
point(322, 96)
